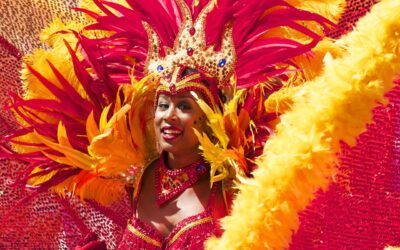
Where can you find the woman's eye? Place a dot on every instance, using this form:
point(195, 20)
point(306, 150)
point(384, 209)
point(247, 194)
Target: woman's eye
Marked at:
point(163, 106)
point(184, 106)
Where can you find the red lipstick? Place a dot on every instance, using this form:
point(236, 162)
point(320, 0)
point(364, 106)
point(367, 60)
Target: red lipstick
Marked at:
point(170, 133)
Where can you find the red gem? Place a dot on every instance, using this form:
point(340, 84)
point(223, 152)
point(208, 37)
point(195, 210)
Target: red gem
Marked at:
point(172, 87)
point(189, 51)
point(192, 31)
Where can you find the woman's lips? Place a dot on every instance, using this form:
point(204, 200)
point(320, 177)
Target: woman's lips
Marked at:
point(170, 133)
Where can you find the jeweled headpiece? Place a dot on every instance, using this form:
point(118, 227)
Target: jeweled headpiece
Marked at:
point(225, 39)
point(190, 49)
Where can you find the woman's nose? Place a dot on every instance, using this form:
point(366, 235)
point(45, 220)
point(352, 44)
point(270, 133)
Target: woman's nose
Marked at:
point(170, 113)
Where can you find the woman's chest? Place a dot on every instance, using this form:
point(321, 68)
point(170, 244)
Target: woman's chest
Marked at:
point(192, 201)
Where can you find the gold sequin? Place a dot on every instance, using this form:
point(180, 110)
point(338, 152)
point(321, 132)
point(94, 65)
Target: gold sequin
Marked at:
point(142, 236)
point(187, 227)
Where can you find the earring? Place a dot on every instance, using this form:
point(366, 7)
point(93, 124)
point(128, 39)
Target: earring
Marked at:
point(203, 126)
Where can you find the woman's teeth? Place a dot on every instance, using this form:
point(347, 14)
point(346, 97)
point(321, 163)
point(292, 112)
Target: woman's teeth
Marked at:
point(171, 133)
point(174, 132)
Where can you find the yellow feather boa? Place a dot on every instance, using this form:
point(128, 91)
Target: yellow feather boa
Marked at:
point(301, 158)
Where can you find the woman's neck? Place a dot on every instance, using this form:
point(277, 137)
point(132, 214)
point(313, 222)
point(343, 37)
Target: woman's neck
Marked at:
point(175, 161)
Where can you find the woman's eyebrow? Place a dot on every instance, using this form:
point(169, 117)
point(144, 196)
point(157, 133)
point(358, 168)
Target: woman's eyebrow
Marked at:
point(185, 95)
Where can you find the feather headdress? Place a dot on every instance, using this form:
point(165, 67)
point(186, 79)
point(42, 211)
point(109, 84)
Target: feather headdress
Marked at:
point(85, 119)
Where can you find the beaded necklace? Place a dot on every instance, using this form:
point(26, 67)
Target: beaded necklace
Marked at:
point(170, 183)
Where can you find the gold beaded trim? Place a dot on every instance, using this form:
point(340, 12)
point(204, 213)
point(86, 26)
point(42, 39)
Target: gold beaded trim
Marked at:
point(142, 236)
point(187, 227)
point(188, 87)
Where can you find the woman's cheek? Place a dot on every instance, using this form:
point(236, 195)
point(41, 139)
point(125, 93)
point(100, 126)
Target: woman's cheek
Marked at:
point(157, 124)
point(157, 118)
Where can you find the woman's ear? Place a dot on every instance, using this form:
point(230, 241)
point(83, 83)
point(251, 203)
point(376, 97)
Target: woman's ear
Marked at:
point(204, 128)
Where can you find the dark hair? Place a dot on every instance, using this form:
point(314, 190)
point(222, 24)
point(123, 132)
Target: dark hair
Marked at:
point(188, 71)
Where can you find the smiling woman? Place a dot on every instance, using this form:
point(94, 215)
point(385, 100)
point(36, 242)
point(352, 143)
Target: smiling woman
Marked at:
point(174, 205)
point(175, 119)
point(204, 69)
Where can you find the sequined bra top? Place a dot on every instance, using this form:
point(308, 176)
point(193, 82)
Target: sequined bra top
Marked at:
point(189, 233)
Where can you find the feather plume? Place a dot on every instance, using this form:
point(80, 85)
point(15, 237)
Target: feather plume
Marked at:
point(226, 156)
point(300, 159)
point(91, 141)
point(331, 9)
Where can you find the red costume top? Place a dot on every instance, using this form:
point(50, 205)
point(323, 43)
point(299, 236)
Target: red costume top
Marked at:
point(189, 233)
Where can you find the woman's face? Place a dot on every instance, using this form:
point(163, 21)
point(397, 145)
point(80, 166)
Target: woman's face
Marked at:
point(175, 118)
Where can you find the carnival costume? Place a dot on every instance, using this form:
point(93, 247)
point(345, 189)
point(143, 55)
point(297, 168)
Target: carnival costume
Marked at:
point(86, 114)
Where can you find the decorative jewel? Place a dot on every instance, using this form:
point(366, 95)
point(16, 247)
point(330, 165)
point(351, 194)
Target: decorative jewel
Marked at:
point(160, 68)
point(200, 168)
point(222, 63)
point(172, 87)
point(192, 31)
point(189, 52)
point(170, 183)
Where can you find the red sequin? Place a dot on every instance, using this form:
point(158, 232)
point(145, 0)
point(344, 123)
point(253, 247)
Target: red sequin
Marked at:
point(190, 51)
point(172, 87)
point(192, 31)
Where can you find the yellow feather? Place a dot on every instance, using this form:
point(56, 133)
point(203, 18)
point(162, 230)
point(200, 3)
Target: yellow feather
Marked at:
point(103, 118)
point(90, 5)
point(215, 122)
point(226, 160)
point(281, 101)
point(116, 148)
point(301, 157)
point(62, 135)
point(91, 127)
point(331, 9)
point(59, 56)
point(74, 157)
point(104, 191)
point(118, 115)
point(40, 179)
point(59, 159)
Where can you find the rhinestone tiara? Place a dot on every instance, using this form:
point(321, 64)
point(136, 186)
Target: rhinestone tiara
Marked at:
point(190, 49)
